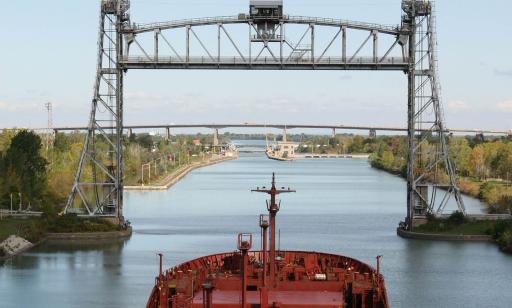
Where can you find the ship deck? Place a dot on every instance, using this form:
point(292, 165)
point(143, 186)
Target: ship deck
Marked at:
point(313, 299)
point(302, 279)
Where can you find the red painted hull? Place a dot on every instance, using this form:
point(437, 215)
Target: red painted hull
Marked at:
point(302, 279)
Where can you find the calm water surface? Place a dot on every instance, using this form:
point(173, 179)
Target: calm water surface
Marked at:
point(341, 206)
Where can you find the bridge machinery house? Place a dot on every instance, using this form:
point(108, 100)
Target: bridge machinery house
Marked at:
point(266, 15)
point(266, 8)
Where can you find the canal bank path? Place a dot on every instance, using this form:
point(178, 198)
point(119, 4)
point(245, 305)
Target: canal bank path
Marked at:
point(180, 173)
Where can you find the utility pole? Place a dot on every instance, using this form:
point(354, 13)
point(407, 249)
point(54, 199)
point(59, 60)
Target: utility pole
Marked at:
point(49, 129)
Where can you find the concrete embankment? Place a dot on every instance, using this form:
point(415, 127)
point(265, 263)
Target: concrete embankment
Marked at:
point(179, 174)
point(442, 237)
point(311, 156)
point(90, 235)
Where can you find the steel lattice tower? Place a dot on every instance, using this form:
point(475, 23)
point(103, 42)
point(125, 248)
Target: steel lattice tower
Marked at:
point(98, 185)
point(430, 172)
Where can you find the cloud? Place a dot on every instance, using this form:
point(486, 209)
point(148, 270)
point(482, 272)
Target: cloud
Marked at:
point(505, 106)
point(503, 72)
point(458, 105)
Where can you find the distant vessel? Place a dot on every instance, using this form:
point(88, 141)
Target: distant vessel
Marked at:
point(269, 278)
point(281, 150)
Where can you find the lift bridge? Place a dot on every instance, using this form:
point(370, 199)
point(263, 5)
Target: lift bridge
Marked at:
point(267, 39)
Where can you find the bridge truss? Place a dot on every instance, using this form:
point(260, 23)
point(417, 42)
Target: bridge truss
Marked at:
point(256, 42)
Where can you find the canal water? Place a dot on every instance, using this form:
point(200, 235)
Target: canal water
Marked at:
point(342, 206)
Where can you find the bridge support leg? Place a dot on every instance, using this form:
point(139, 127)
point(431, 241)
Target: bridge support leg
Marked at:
point(215, 137)
point(168, 134)
point(285, 137)
point(130, 133)
point(373, 133)
point(425, 122)
point(104, 197)
point(333, 134)
point(480, 137)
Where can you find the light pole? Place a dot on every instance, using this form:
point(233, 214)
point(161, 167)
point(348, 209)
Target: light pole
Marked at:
point(11, 203)
point(149, 171)
point(19, 210)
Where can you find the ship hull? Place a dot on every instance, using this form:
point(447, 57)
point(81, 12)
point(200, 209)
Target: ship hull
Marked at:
point(273, 157)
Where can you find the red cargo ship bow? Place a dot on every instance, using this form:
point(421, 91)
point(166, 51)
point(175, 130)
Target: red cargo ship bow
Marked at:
point(269, 278)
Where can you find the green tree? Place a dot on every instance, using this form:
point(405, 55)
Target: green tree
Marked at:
point(460, 152)
point(477, 160)
point(145, 141)
point(502, 164)
point(357, 145)
point(26, 166)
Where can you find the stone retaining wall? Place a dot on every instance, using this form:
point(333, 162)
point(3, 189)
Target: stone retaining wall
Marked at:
point(442, 237)
point(90, 235)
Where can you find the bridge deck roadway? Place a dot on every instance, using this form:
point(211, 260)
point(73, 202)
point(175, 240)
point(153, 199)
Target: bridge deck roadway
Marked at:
point(266, 63)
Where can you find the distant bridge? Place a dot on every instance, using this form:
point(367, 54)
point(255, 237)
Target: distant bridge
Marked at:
point(332, 128)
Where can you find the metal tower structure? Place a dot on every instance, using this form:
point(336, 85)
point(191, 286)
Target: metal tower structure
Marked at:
point(321, 44)
point(430, 170)
point(98, 185)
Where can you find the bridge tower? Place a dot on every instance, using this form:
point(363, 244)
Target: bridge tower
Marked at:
point(97, 189)
point(430, 172)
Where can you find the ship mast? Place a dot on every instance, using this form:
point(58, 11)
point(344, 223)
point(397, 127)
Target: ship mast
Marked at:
point(272, 208)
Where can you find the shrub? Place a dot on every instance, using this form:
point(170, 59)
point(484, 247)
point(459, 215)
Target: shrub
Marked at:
point(457, 218)
point(33, 231)
point(73, 223)
point(505, 241)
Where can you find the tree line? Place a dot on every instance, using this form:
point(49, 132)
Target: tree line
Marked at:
point(483, 167)
point(41, 179)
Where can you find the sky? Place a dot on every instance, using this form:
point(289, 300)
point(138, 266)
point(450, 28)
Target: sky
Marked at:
point(48, 54)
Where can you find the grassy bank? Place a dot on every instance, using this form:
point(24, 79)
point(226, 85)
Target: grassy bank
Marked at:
point(35, 229)
point(496, 194)
point(457, 224)
point(26, 228)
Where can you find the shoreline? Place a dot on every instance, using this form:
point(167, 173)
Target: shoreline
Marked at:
point(179, 174)
point(111, 235)
point(462, 183)
point(442, 237)
point(324, 156)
